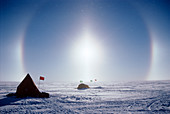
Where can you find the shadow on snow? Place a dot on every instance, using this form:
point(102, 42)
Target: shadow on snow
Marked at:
point(8, 101)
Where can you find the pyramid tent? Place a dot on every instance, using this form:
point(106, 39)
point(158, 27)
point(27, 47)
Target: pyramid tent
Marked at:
point(28, 88)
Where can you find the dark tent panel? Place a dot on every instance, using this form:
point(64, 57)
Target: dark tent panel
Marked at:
point(27, 88)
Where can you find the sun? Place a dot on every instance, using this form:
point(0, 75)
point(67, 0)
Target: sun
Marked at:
point(87, 53)
point(87, 49)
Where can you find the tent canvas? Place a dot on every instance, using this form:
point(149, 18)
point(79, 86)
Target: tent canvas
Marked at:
point(27, 88)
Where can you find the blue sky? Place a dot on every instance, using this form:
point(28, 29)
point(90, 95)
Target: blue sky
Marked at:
point(85, 39)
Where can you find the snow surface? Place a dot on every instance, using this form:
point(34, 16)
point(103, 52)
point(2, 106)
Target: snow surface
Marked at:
point(102, 97)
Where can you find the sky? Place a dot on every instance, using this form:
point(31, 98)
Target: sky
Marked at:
point(73, 40)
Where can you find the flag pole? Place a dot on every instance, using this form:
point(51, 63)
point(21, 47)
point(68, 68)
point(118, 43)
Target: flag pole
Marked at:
point(39, 84)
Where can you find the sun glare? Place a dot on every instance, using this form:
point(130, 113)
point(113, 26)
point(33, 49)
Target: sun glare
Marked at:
point(87, 49)
point(88, 54)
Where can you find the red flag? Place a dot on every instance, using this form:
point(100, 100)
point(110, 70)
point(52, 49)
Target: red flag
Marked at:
point(41, 78)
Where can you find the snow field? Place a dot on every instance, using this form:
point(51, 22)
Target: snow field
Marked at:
point(102, 97)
